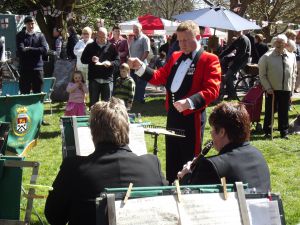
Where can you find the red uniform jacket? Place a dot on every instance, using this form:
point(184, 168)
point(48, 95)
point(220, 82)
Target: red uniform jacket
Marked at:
point(204, 88)
point(206, 80)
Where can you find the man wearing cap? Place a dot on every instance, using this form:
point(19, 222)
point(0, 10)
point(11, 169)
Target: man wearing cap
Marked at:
point(192, 79)
point(31, 46)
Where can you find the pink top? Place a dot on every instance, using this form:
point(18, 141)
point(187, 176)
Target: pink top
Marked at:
point(75, 94)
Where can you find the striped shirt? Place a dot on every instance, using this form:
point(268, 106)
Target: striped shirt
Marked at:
point(124, 89)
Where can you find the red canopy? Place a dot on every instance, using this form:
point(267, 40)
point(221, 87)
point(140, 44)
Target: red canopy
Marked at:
point(150, 22)
point(207, 32)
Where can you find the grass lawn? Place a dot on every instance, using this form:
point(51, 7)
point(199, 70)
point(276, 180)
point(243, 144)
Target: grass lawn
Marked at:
point(283, 156)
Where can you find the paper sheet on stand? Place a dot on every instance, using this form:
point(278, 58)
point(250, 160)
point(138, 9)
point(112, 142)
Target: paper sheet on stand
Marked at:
point(85, 146)
point(194, 209)
point(263, 212)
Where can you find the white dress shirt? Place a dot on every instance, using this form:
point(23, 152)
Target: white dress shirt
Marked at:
point(179, 75)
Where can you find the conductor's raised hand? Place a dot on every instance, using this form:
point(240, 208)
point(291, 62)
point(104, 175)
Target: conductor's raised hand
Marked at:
point(134, 63)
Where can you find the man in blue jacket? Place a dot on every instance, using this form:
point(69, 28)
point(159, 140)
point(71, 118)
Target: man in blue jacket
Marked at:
point(31, 46)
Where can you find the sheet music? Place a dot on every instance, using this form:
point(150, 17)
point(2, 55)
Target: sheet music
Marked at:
point(209, 209)
point(137, 142)
point(85, 145)
point(147, 211)
point(263, 212)
point(194, 209)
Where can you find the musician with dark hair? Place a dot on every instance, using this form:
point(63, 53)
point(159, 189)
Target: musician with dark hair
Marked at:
point(237, 160)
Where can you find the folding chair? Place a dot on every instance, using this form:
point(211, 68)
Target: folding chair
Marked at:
point(10, 88)
point(11, 168)
point(4, 130)
point(48, 89)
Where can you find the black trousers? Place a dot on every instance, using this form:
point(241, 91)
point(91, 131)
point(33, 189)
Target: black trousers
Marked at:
point(181, 150)
point(97, 90)
point(31, 80)
point(281, 104)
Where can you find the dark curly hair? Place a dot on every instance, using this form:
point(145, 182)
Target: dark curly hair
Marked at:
point(234, 118)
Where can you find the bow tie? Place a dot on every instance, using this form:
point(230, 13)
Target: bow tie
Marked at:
point(187, 56)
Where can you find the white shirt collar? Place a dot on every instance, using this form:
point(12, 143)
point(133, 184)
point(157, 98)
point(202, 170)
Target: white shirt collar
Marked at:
point(196, 50)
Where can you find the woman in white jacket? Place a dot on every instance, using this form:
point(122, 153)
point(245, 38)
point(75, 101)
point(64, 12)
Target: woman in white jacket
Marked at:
point(79, 47)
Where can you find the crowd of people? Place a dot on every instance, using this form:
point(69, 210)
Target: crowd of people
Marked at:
point(116, 72)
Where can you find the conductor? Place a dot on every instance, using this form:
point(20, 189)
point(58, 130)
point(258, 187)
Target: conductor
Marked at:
point(192, 80)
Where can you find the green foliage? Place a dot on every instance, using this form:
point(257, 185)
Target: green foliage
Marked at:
point(112, 12)
point(282, 155)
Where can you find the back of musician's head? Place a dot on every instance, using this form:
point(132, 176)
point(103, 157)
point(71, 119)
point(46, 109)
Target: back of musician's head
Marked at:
point(189, 25)
point(109, 122)
point(234, 118)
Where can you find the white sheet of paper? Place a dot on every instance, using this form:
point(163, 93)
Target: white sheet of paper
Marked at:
point(194, 209)
point(263, 212)
point(137, 142)
point(85, 145)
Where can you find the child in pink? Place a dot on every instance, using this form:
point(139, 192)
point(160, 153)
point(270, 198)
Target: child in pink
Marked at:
point(77, 90)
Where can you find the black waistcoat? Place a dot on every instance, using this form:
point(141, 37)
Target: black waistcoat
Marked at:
point(187, 80)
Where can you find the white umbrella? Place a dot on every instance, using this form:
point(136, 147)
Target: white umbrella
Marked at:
point(217, 17)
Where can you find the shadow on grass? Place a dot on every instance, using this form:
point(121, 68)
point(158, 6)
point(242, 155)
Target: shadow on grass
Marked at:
point(296, 102)
point(47, 134)
point(152, 107)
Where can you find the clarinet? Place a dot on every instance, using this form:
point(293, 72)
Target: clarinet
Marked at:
point(186, 179)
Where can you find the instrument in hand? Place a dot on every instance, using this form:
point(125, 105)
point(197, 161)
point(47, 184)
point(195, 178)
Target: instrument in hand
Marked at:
point(187, 177)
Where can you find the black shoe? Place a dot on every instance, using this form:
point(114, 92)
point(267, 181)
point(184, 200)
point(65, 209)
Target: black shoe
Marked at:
point(284, 136)
point(45, 123)
point(267, 136)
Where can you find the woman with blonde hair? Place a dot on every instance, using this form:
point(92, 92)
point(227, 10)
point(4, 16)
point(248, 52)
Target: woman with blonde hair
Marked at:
point(86, 35)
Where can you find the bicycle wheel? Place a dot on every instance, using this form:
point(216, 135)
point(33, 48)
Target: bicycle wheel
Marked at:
point(243, 85)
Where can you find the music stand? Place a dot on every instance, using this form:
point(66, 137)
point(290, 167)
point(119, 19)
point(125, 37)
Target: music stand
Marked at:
point(157, 130)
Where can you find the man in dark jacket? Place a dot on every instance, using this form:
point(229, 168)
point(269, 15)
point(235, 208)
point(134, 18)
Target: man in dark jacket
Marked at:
point(102, 58)
point(82, 178)
point(242, 45)
point(260, 47)
point(31, 46)
point(237, 159)
point(72, 40)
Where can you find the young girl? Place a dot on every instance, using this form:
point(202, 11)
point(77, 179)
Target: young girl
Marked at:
point(77, 90)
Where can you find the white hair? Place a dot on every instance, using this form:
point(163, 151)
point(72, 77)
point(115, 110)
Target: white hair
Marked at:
point(281, 37)
point(291, 45)
point(138, 25)
point(103, 29)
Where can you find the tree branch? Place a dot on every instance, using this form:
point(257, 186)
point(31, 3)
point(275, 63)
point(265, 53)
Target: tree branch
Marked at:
point(85, 4)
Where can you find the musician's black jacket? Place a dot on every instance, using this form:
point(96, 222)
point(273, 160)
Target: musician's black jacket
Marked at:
point(82, 178)
point(241, 162)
